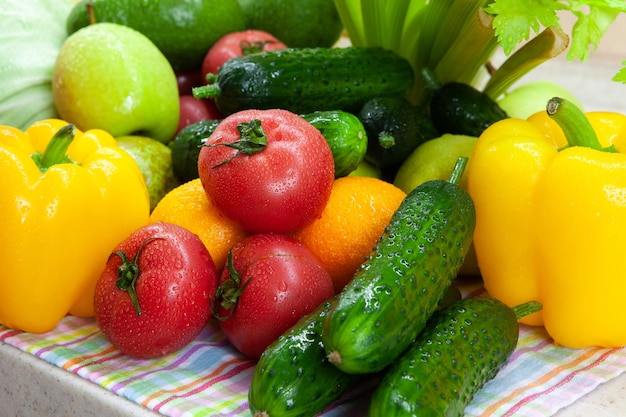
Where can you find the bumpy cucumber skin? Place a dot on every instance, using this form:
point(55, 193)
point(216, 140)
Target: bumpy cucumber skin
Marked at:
point(462, 348)
point(186, 148)
point(304, 80)
point(460, 109)
point(345, 135)
point(397, 289)
point(293, 377)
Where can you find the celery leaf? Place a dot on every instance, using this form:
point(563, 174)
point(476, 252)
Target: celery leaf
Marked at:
point(589, 30)
point(515, 19)
point(621, 75)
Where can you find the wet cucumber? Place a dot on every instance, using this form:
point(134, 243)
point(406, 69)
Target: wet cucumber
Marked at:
point(397, 289)
point(462, 348)
point(345, 135)
point(293, 376)
point(304, 80)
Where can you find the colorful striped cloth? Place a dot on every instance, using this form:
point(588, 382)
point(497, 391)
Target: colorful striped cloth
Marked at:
point(210, 378)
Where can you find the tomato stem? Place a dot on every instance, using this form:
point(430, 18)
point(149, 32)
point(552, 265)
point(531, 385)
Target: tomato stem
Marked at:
point(128, 274)
point(252, 139)
point(248, 48)
point(228, 292)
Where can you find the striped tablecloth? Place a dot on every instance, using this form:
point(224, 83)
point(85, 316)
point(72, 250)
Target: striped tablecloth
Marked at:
point(210, 378)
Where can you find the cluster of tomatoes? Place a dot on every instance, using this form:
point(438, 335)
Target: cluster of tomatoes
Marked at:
point(271, 172)
point(229, 46)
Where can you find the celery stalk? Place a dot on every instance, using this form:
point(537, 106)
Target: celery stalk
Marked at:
point(374, 19)
point(350, 14)
point(548, 44)
point(397, 12)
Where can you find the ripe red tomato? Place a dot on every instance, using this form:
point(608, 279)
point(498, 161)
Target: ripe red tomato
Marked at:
point(189, 79)
point(238, 44)
point(173, 276)
point(276, 280)
point(279, 180)
point(193, 110)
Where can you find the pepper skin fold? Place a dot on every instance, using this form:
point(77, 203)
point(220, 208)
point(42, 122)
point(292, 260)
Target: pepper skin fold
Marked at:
point(66, 198)
point(550, 197)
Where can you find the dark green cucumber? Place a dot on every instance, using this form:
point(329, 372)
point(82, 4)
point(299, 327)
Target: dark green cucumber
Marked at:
point(463, 347)
point(186, 148)
point(458, 108)
point(345, 135)
point(343, 131)
point(304, 80)
point(395, 127)
point(293, 376)
point(399, 286)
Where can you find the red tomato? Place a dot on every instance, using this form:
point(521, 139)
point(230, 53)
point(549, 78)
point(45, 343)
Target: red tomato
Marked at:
point(174, 280)
point(238, 44)
point(189, 79)
point(279, 281)
point(278, 182)
point(193, 110)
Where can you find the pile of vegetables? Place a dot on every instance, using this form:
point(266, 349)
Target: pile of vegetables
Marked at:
point(269, 165)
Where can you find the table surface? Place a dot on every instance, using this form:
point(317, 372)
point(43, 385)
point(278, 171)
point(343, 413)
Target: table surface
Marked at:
point(32, 387)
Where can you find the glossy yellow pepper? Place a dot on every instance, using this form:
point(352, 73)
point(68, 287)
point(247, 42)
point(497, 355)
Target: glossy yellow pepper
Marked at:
point(550, 197)
point(65, 203)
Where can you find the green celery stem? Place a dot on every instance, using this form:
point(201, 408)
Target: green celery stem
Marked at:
point(575, 125)
point(526, 309)
point(57, 147)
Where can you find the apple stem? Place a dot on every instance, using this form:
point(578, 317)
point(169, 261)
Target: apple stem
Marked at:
point(91, 13)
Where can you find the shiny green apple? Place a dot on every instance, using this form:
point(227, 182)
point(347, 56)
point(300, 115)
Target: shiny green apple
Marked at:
point(533, 96)
point(434, 160)
point(111, 77)
point(155, 163)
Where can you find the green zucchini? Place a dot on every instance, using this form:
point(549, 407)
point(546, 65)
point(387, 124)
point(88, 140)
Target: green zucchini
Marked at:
point(293, 376)
point(345, 135)
point(399, 286)
point(395, 127)
point(342, 130)
point(304, 80)
point(463, 347)
point(186, 148)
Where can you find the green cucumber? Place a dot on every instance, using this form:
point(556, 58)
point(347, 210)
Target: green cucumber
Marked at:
point(293, 376)
point(395, 127)
point(186, 148)
point(304, 80)
point(345, 135)
point(399, 286)
point(343, 131)
point(463, 347)
point(460, 109)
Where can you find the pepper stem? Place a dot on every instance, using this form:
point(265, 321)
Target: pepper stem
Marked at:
point(252, 139)
point(56, 149)
point(575, 125)
point(128, 274)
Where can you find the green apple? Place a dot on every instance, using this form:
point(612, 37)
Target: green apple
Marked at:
point(531, 97)
point(434, 160)
point(155, 163)
point(111, 77)
point(366, 169)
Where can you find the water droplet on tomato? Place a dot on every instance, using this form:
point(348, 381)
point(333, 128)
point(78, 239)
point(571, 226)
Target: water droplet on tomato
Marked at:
point(282, 286)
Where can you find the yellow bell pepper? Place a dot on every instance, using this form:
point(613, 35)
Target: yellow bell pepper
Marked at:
point(550, 198)
point(66, 198)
